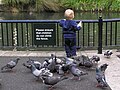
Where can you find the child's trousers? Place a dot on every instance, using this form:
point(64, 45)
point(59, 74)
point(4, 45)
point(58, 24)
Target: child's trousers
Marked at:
point(70, 46)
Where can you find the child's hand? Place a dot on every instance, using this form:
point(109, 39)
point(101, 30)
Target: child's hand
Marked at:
point(80, 24)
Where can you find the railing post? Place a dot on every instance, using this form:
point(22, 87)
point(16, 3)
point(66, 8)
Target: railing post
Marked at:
point(100, 35)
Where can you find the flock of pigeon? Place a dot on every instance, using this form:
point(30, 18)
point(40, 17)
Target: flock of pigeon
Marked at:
point(45, 71)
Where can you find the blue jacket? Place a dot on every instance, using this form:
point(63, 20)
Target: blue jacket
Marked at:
point(69, 28)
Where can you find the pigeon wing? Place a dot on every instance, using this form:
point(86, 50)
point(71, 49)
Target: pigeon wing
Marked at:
point(11, 64)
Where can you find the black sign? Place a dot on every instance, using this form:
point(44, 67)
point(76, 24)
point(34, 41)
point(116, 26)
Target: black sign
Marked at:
point(45, 34)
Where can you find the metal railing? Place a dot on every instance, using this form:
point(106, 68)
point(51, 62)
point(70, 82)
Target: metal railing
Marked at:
point(95, 34)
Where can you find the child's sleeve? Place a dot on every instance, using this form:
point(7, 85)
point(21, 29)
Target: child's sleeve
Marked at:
point(76, 26)
point(61, 22)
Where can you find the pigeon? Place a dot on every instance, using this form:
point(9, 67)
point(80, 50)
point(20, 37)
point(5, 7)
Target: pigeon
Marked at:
point(108, 53)
point(52, 65)
point(100, 76)
point(0, 82)
point(35, 71)
point(76, 72)
point(46, 72)
point(37, 64)
point(45, 63)
point(95, 58)
point(10, 65)
point(38, 73)
point(28, 63)
point(53, 80)
point(88, 62)
point(71, 65)
point(85, 61)
point(58, 60)
point(60, 69)
point(68, 62)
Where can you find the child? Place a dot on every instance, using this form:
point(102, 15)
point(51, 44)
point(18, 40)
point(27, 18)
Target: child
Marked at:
point(69, 27)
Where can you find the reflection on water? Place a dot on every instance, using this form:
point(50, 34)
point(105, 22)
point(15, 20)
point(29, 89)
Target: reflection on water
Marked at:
point(55, 16)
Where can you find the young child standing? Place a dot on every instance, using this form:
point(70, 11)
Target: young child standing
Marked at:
point(69, 27)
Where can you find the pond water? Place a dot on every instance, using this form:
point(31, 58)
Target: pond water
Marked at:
point(56, 16)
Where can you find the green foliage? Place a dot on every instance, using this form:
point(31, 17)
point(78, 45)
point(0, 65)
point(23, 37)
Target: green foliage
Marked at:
point(55, 5)
point(47, 5)
point(92, 5)
point(10, 2)
point(116, 5)
point(15, 3)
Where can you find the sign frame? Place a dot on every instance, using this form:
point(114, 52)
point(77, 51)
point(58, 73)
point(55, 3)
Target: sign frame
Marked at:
point(44, 34)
